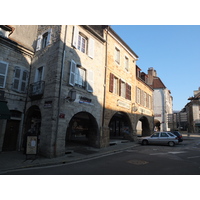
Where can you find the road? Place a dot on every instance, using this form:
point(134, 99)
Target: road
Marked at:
point(183, 159)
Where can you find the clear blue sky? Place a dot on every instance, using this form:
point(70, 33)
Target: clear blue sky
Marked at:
point(172, 50)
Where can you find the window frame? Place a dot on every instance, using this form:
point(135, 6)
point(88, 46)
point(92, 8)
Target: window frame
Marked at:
point(4, 75)
point(117, 55)
point(18, 81)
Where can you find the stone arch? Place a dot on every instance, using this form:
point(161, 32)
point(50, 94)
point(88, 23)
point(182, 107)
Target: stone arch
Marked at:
point(143, 127)
point(157, 125)
point(120, 126)
point(82, 130)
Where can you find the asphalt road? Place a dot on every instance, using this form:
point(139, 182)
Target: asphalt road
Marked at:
point(183, 159)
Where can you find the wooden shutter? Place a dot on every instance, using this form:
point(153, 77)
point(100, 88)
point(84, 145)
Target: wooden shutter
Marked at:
point(3, 74)
point(24, 81)
point(72, 73)
point(39, 41)
point(49, 37)
point(128, 91)
point(120, 87)
point(16, 79)
point(111, 82)
point(91, 48)
point(75, 37)
point(90, 81)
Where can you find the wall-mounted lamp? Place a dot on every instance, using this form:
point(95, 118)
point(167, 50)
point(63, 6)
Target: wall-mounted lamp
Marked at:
point(71, 95)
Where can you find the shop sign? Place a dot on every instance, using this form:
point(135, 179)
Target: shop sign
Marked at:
point(85, 100)
point(123, 104)
point(47, 104)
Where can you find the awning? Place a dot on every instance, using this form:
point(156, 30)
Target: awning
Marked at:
point(4, 111)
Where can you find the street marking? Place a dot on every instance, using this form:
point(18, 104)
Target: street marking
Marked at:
point(193, 157)
point(177, 152)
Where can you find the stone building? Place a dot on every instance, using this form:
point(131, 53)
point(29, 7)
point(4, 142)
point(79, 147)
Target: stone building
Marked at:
point(122, 110)
point(193, 113)
point(16, 53)
point(68, 86)
point(162, 101)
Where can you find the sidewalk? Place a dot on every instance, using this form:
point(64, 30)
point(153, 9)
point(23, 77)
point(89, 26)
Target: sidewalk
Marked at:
point(17, 160)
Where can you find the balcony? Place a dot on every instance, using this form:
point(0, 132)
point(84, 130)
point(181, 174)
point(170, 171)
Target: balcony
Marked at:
point(36, 90)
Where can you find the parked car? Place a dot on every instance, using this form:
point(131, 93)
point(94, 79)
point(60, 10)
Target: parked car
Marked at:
point(180, 137)
point(163, 138)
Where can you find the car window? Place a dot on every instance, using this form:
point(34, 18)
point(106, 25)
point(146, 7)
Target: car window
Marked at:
point(155, 135)
point(171, 134)
point(164, 135)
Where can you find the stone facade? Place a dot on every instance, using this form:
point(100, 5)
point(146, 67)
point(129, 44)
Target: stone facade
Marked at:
point(80, 87)
point(122, 112)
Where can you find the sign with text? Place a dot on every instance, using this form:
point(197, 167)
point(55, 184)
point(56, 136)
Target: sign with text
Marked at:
point(31, 147)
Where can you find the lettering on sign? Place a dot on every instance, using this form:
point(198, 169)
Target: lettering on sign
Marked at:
point(123, 104)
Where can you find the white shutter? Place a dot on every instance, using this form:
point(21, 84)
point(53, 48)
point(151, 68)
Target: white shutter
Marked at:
point(24, 81)
point(16, 79)
point(91, 48)
point(39, 40)
point(72, 73)
point(75, 37)
point(49, 37)
point(90, 81)
point(3, 74)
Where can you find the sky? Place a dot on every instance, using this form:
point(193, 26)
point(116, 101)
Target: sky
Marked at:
point(172, 50)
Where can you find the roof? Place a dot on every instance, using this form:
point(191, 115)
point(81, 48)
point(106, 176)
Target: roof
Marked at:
point(157, 83)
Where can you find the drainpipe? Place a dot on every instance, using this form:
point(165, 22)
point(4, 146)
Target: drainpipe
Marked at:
point(24, 110)
point(105, 74)
point(60, 89)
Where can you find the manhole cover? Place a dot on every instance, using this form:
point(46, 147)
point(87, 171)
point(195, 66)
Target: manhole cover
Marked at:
point(138, 162)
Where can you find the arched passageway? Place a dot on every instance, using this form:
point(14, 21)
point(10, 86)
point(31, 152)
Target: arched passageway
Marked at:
point(156, 125)
point(82, 130)
point(32, 124)
point(142, 127)
point(120, 126)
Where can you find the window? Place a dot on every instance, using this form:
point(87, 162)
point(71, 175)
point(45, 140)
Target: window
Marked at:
point(44, 40)
point(122, 88)
point(115, 85)
point(78, 77)
point(126, 63)
point(83, 43)
point(128, 91)
point(119, 87)
point(117, 55)
point(138, 95)
point(145, 99)
point(164, 135)
point(39, 74)
point(3, 73)
point(20, 79)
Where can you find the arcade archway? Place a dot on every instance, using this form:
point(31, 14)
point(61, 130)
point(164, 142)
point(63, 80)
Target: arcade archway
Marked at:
point(82, 130)
point(120, 126)
point(142, 127)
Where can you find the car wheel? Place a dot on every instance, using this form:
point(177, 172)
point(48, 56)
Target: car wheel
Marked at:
point(171, 143)
point(144, 142)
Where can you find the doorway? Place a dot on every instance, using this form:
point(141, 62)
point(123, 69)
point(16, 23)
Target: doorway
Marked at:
point(11, 135)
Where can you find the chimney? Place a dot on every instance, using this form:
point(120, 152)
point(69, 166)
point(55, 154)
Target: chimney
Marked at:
point(151, 73)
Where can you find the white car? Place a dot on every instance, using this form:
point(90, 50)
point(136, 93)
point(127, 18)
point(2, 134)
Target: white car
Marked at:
point(165, 138)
